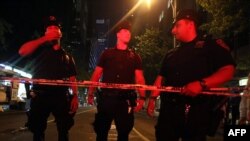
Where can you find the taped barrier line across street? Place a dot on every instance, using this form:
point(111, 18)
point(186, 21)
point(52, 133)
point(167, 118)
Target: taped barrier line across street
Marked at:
point(223, 91)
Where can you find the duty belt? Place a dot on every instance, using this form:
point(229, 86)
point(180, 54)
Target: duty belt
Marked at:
point(118, 94)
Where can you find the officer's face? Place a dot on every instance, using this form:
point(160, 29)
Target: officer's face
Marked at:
point(181, 29)
point(124, 35)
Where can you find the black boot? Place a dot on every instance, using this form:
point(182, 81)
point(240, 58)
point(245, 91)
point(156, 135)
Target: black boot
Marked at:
point(38, 136)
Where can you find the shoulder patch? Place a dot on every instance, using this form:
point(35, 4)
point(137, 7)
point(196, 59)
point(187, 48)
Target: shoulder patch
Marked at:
point(221, 43)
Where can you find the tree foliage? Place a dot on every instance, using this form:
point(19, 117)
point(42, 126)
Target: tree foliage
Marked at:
point(227, 17)
point(243, 60)
point(152, 47)
point(230, 19)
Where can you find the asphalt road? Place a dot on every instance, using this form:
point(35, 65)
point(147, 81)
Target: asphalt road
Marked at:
point(11, 124)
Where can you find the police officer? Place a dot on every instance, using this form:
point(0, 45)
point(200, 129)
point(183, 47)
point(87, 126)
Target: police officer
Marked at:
point(244, 107)
point(195, 64)
point(123, 66)
point(50, 61)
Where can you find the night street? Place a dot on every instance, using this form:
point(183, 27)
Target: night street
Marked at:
point(189, 57)
point(11, 123)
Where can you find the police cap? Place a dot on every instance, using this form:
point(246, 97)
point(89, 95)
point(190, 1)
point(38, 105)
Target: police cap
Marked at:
point(188, 14)
point(51, 20)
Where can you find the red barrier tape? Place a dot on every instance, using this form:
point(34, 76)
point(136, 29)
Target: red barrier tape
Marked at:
point(231, 91)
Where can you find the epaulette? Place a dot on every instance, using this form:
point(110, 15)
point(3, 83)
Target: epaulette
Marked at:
point(131, 52)
point(221, 43)
point(202, 41)
point(129, 49)
point(171, 51)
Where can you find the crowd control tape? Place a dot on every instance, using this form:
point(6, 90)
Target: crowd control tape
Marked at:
point(226, 91)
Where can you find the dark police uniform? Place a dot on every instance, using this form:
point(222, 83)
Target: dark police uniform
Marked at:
point(51, 64)
point(188, 62)
point(118, 67)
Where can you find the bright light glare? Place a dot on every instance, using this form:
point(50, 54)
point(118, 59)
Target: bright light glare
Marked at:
point(148, 3)
point(243, 82)
point(130, 12)
point(21, 94)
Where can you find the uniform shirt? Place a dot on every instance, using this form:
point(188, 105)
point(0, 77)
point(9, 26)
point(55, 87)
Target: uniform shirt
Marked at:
point(193, 61)
point(52, 64)
point(119, 66)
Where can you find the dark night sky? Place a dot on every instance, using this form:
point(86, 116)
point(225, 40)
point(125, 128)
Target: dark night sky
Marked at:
point(26, 16)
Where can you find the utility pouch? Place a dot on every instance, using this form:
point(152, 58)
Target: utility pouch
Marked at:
point(132, 96)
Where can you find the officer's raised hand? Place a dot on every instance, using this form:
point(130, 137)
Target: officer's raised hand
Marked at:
point(52, 33)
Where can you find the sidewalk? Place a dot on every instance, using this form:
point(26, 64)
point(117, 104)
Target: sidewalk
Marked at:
point(11, 111)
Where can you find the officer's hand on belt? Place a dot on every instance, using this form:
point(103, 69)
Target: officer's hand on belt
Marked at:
point(90, 99)
point(74, 104)
point(140, 104)
point(151, 107)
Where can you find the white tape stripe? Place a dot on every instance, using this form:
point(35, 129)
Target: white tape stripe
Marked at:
point(212, 91)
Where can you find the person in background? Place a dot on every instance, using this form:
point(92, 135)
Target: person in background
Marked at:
point(122, 66)
point(196, 64)
point(245, 105)
point(51, 62)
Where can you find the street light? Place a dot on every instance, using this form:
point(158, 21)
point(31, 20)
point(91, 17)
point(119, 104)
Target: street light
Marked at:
point(148, 2)
point(130, 12)
point(173, 4)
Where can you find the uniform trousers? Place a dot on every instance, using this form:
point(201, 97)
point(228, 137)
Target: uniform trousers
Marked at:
point(113, 108)
point(180, 119)
point(44, 103)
